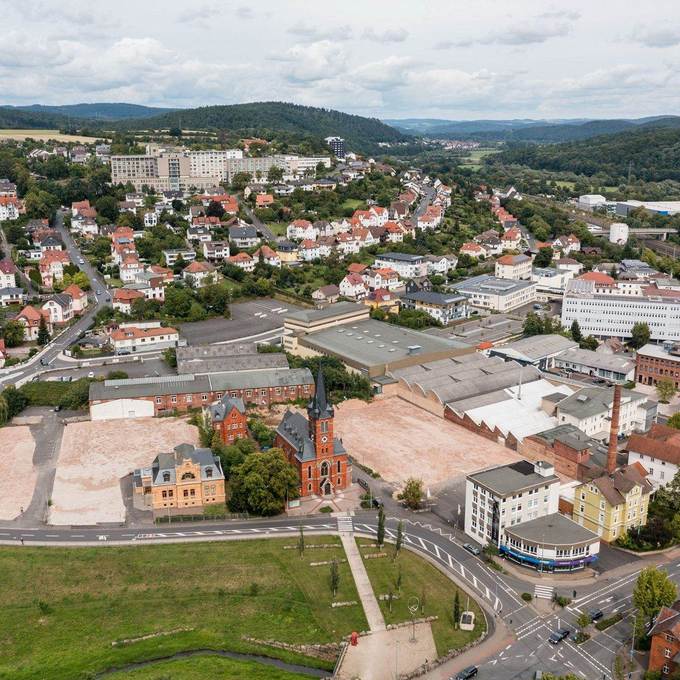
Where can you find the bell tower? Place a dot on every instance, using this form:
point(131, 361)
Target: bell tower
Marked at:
point(320, 415)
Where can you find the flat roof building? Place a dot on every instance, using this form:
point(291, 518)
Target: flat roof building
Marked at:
point(535, 350)
point(613, 367)
point(500, 295)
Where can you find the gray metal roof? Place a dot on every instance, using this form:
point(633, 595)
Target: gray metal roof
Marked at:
point(535, 347)
point(400, 257)
point(486, 283)
point(337, 309)
point(441, 299)
point(552, 530)
point(590, 401)
point(369, 343)
point(619, 363)
point(242, 232)
point(505, 480)
point(188, 383)
point(231, 357)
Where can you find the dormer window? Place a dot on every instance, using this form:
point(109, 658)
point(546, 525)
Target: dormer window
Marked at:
point(208, 472)
point(188, 475)
point(166, 476)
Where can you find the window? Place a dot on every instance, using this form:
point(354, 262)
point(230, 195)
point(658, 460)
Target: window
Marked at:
point(189, 398)
point(188, 475)
point(173, 398)
point(667, 653)
point(166, 476)
point(339, 466)
point(186, 493)
point(208, 472)
point(159, 400)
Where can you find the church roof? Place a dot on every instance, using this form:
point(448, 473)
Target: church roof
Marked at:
point(319, 406)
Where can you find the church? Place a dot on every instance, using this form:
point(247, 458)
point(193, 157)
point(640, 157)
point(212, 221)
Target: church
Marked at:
point(319, 457)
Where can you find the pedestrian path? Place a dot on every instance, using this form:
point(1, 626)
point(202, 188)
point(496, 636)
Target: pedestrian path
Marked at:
point(345, 523)
point(543, 592)
point(356, 564)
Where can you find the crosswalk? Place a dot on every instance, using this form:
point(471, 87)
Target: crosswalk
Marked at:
point(544, 592)
point(345, 523)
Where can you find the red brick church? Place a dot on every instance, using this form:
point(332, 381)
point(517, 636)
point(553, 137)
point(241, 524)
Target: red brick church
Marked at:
point(319, 457)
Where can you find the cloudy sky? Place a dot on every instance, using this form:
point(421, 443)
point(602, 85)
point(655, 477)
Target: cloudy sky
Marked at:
point(387, 58)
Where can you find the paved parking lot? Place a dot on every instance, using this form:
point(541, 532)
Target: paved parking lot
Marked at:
point(262, 318)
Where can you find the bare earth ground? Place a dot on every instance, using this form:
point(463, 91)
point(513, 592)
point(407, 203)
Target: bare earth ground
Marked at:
point(17, 474)
point(95, 456)
point(399, 440)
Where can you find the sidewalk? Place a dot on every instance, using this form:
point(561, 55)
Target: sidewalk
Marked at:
point(371, 607)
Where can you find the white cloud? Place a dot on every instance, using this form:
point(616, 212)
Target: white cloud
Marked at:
point(307, 33)
point(656, 36)
point(308, 63)
point(388, 35)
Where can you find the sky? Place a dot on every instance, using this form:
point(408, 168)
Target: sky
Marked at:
point(385, 58)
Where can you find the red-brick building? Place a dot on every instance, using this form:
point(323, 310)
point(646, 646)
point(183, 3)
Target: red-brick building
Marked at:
point(309, 444)
point(228, 417)
point(664, 653)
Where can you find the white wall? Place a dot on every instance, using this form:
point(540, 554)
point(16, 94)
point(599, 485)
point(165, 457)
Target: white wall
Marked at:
point(122, 408)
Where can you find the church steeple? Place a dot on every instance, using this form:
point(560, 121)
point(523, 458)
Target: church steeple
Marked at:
point(319, 408)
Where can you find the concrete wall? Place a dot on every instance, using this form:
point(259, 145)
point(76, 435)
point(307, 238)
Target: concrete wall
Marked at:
point(122, 408)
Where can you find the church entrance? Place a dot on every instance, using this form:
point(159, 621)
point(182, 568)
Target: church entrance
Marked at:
point(326, 488)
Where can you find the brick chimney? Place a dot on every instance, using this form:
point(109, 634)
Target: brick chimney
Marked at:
point(614, 430)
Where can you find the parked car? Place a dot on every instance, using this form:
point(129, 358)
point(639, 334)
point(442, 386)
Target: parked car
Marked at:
point(471, 548)
point(559, 635)
point(595, 615)
point(57, 408)
point(44, 362)
point(90, 374)
point(468, 672)
point(81, 261)
point(377, 502)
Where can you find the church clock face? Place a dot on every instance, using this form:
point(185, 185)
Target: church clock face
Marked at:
point(324, 439)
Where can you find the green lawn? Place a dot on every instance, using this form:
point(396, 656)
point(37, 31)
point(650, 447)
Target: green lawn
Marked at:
point(201, 668)
point(279, 228)
point(63, 608)
point(353, 203)
point(420, 579)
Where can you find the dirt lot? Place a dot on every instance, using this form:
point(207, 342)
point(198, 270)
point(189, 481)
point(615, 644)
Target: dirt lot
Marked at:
point(95, 456)
point(17, 474)
point(399, 441)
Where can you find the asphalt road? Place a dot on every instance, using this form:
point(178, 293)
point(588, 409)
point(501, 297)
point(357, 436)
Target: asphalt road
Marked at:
point(266, 233)
point(97, 301)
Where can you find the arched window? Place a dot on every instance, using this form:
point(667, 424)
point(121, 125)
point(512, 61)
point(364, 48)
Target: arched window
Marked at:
point(188, 475)
point(166, 476)
point(325, 469)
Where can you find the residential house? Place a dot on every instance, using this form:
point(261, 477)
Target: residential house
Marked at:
point(130, 268)
point(326, 294)
point(418, 284)
point(408, 266)
point(172, 256)
point(383, 277)
point(568, 264)
point(216, 250)
point(51, 243)
point(512, 239)
point(165, 273)
point(384, 299)
point(185, 481)
point(353, 286)
point(228, 418)
point(393, 232)
point(514, 267)
point(122, 299)
point(473, 250)
point(302, 230)
point(244, 237)
point(441, 264)
point(199, 234)
point(29, 317)
point(9, 208)
point(150, 219)
point(78, 298)
point(658, 451)
point(52, 267)
point(243, 261)
point(8, 273)
point(308, 251)
point(12, 296)
point(287, 252)
point(77, 206)
point(664, 651)
point(263, 200)
point(60, 309)
point(567, 244)
point(127, 339)
point(444, 307)
point(199, 274)
point(268, 255)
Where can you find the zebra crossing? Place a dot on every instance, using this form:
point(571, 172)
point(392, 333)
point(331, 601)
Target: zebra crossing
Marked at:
point(345, 524)
point(543, 592)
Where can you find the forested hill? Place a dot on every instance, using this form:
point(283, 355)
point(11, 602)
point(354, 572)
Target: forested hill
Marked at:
point(17, 119)
point(654, 153)
point(359, 132)
point(98, 111)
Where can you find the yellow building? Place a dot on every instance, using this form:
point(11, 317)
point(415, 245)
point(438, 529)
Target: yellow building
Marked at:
point(182, 482)
point(612, 504)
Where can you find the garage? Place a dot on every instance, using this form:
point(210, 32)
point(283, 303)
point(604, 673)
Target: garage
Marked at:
point(122, 408)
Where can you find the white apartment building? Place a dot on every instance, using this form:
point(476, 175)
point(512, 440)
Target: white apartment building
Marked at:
point(658, 452)
point(514, 267)
point(500, 295)
point(612, 311)
point(507, 495)
point(549, 280)
point(211, 162)
point(130, 339)
point(590, 409)
point(406, 265)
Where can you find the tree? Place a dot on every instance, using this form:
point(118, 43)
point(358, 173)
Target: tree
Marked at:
point(4, 410)
point(398, 580)
point(175, 132)
point(590, 343)
point(43, 333)
point(412, 493)
point(653, 590)
point(215, 209)
point(544, 257)
point(400, 538)
point(639, 335)
point(275, 174)
point(665, 390)
point(575, 331)
point(380, 536)
point(170, 357)
point(533, 324)
point(335, 577)
point(205, 429)
point(16, 401)
point(583, 621)
point(239, 180)
point(674, 421)
point(262, 483)
point(13, 333)
point(456, 610)
point(301, 542)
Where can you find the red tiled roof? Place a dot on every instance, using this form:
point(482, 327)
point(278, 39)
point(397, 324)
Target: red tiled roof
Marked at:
point(597, 277)
point(137, 333)
point(126, 294)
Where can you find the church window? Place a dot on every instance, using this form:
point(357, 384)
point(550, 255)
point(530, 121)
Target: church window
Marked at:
point(324, 469)
point(324, 426)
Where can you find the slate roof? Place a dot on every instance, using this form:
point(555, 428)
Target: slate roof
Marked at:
point(167, 462)
point(222, 408)
point(620, 482)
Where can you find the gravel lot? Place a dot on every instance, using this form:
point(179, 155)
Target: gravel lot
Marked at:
point(17, 473)
point(399, 441)
point(95, 456)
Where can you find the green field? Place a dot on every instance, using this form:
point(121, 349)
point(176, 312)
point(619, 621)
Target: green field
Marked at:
point(279, 228)
point(420, 579)
point(64, 608)
point(353, 204)
point(474, 159)
point(201, 668)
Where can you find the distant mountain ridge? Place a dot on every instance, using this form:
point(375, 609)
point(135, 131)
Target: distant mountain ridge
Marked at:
point(529, 130)
point(97, 111)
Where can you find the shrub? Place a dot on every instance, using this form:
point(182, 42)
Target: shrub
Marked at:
point(527, 597)
point(326, 508)
point(561, 600)
point(606, 623)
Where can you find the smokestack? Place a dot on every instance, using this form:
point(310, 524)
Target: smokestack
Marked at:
point(614, 430)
